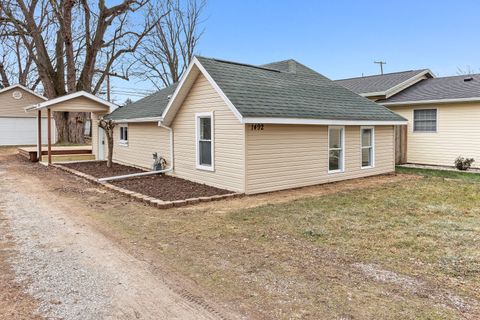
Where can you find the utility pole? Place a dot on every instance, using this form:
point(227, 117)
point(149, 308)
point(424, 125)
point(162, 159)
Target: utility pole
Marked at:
point(108, 87)
point(381, 63)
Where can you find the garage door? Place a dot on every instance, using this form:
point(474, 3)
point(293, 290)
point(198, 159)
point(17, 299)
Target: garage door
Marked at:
point(22, 131)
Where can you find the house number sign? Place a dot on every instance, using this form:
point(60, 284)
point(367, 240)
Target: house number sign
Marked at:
point(257, 126)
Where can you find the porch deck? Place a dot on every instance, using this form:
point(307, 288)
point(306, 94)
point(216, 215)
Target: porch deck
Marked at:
point(59, 153)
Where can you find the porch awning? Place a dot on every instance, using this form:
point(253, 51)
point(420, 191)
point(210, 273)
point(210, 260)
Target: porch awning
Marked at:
point(80, 101)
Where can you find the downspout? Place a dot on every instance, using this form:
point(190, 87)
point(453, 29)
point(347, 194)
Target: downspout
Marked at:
point(133, 175)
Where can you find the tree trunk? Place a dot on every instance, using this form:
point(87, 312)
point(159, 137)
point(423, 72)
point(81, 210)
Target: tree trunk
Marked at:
point(70, 127)
point(110, 149)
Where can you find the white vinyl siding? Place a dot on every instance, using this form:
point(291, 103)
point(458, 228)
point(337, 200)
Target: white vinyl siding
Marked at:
point(228, 137)
point(289, 156)
point(144, 139)
point(457, 134)
point(11, 107)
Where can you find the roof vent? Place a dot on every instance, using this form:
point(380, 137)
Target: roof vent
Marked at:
point(169, 96)
point(468, 79)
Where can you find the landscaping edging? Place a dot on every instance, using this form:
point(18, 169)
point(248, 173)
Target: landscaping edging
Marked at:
point(154, 202)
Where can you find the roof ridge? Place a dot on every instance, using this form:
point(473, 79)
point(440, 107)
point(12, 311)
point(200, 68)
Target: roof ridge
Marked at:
point(273, 62)
point(459, 76)
point(238, 63)
point(385, 74)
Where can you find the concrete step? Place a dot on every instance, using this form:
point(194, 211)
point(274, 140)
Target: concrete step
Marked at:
point(69, 157)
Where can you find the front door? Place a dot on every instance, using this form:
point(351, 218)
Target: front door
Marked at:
point(101, 144)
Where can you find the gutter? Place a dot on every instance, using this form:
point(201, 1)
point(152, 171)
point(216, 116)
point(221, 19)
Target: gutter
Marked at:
point(148, 173)
point(146, 119)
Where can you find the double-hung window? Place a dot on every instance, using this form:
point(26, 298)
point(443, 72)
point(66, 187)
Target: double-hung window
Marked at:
point(336, 145)
point(205, 142)
point(425, 120)
point(367, 146)
point(123, 135)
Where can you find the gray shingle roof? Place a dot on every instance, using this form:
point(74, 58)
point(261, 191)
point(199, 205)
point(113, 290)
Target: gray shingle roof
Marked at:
point(378, 83)
point(440, 88)
point(266, 91)
point(151, 106)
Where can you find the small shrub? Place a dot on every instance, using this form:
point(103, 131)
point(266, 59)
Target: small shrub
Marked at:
point(463, 164)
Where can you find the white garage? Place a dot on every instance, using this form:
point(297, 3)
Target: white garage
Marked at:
point(21, 131)
point(16, 126)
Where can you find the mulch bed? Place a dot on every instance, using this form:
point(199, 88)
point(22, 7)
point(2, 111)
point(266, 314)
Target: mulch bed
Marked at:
point(168, 188)
point(163, 187)
point(99, 169)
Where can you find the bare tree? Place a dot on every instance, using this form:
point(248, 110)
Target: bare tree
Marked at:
point(166, 52)
point(16, 65)
point(108, 125)
point(75, 44)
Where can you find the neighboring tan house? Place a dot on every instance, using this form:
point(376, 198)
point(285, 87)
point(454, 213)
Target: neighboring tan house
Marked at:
point(16, 126)
point(443, 114)
point(255, 129)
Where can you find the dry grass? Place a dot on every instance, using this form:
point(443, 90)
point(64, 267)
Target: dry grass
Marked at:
point(377, 248)
point(407, 250)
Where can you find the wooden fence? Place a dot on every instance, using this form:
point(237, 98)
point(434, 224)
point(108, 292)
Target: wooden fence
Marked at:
point(400, 144)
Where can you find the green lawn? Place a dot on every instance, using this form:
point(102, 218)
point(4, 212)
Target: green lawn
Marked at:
point(466, 176)
point(404, 250)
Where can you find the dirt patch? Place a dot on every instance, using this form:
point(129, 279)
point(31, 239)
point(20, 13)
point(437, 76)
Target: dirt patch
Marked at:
point(168, 188)
point(99, 169)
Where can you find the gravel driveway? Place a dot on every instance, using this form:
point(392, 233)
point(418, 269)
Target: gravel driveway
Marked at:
point(77, 273)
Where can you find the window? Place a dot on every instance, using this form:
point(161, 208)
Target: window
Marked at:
point(205, 143)
point(367, 147)
point(425, 120)
point(123, 135)
point(335, 149)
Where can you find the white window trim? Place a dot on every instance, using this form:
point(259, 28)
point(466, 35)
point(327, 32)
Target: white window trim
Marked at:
point(425, 132)
point(197, 136)
point(342, 169)
point(372, 146)
point(123, 143)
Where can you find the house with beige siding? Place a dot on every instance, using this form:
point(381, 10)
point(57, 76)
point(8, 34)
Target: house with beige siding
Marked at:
point(254, 129)
point(18, 127)
point(442, 112)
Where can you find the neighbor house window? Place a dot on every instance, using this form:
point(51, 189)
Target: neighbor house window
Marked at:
point(336, 137)
point(123, 135)
point(367, 146)
point(205, 143)
point(425, 120)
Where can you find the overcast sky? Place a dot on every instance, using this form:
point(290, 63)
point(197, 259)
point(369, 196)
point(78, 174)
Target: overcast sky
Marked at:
point(341, 39)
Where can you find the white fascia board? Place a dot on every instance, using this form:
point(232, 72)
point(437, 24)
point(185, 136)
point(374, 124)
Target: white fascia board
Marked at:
point(197, 64)
point(407, 83)
point(218, 90)
point(437, 101)
point(146, 119)
point(401, 86)
point(321, 121)
point(19, 86)
point(373, 94)
point(177, 89)
point(74, 95)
